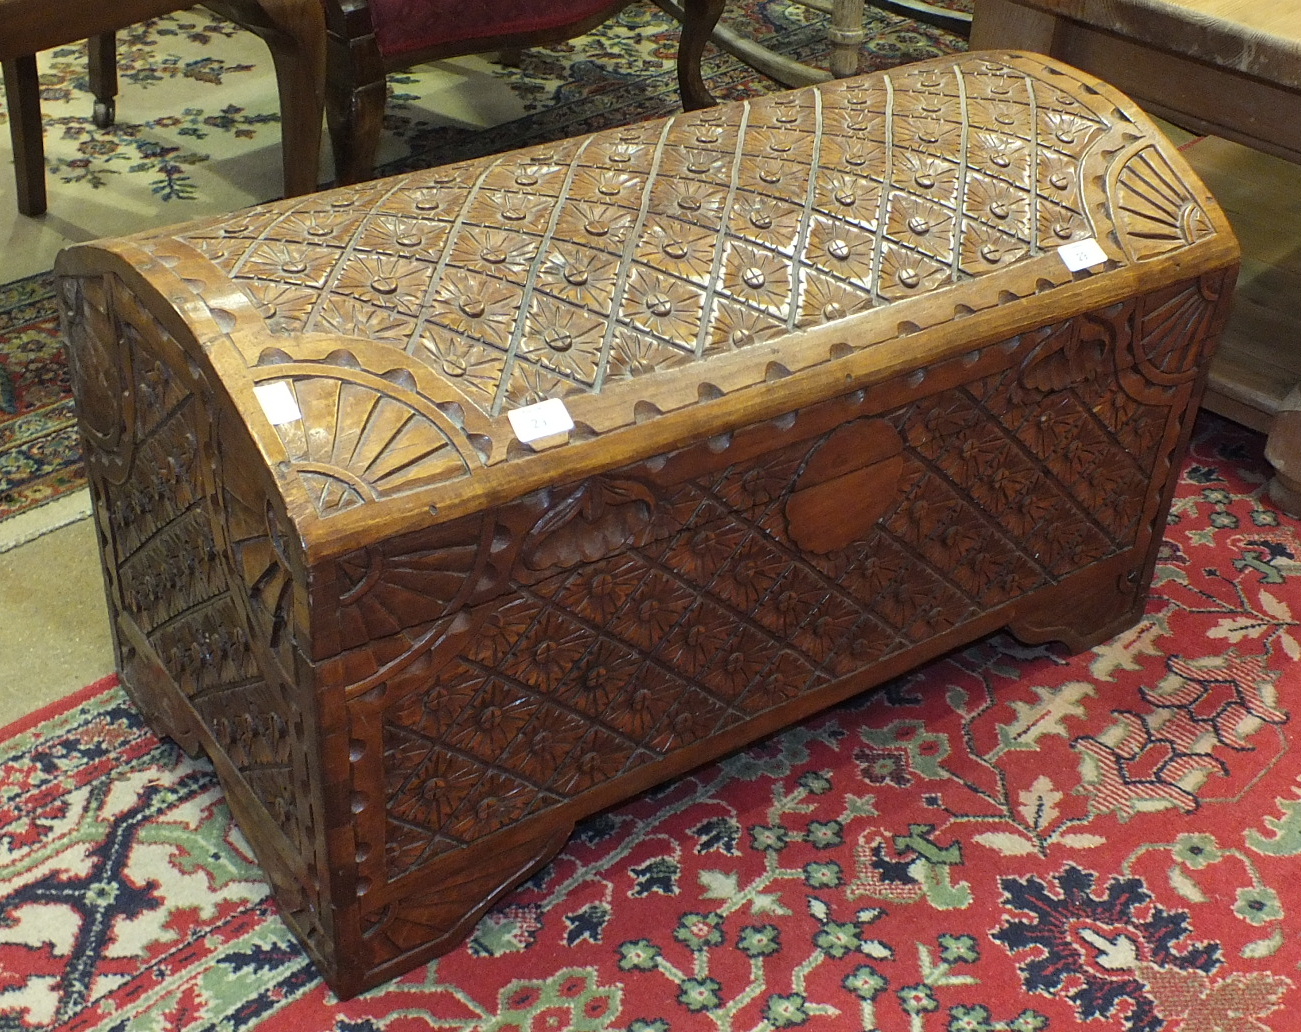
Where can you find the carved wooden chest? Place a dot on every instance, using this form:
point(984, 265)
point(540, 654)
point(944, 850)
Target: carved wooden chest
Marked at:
point(839, 403)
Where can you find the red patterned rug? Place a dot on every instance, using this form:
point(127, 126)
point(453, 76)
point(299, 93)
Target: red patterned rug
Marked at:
point(1009, 840)
point(40, 455)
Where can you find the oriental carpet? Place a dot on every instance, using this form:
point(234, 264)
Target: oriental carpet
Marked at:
point(198, 131)
point(1007, 840)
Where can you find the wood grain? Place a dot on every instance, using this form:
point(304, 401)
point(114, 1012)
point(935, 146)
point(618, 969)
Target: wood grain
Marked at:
point(839, 407)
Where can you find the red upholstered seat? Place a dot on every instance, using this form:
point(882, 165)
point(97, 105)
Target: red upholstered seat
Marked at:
point(369, 38)
point(402, 26)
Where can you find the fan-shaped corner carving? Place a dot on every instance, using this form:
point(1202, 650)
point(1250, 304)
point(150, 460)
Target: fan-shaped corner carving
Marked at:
point(1155, 211)
point(352, 436)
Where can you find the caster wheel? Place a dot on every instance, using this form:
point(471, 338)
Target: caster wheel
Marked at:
point(104, 113)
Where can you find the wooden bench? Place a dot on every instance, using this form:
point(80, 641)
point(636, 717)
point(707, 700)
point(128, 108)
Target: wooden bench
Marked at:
point(446, 510)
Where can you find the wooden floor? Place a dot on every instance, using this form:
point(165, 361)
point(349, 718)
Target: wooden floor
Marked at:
point(1260, 359)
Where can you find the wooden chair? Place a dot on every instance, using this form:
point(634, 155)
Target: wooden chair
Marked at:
point(294, 30)
point(370, 38)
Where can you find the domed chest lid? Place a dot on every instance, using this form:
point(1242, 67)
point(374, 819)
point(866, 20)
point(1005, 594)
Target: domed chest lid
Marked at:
point(725, 258)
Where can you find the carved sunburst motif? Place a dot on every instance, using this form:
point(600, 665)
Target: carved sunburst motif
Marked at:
point(842, 249)
point(905, 272)
point(637, 354)
point(386, 282)
point(316, 225)
point(539, 177)
point(386, 589)
point(290, 262)
point(1162, 215)
point(580, 275)
point(854, 154)
point(285, 306)
point(826, 300)
point(476, 306)
point(736, 327)
point(679, 248)
point(605, 226)
point(765, 220)
point(357, 441)
point(474, 368)
point(350, 318)
point(921, 224)
point(529, 384)
point(1002, 156)
point(999, 204)
point(395, 234)
point(565, 339)
point(664, 306)
point(497, 252)
point(1174, 324)
point(985, 249)
point(758, 277)
point(853, 197)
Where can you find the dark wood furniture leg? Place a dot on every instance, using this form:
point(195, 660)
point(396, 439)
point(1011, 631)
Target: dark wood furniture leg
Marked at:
point(355, 91)
point(698, 20)
point(294, 32)
point(101, 60)
point(1283, 451)
point(23, 92)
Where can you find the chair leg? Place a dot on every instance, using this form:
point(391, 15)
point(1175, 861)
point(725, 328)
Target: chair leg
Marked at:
point(356, 90)
point(23, 91)
point(698, 20)
point(298, 51)
point(847, 35)
point(785, 70)
point(294, 32)
point(101, 54)
point(356, 120)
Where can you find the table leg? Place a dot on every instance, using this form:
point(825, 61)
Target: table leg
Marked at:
point(1283, 452)
point(23, 92)
point(1003, 25)
point(101, 68)
point(847, 35)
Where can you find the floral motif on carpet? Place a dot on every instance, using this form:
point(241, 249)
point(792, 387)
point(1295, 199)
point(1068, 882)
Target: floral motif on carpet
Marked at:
point(1007, 840)
point(40, 452)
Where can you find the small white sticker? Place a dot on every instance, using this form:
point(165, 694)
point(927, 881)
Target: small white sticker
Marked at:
point(278, 402)
point(1082, 254)
point(544, 419)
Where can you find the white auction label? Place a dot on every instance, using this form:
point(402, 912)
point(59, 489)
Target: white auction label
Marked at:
point(545, 419)
point(1082, 254)
point(278, 402)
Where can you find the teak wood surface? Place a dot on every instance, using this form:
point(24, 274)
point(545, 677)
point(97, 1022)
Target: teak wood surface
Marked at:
point(839, 406)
